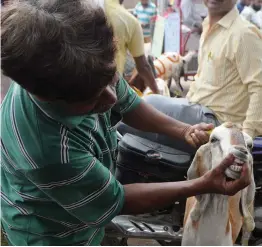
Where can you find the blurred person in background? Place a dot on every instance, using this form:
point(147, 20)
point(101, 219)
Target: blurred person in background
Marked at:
point(258, 18)
point(129, 36)
point(146, 12)
point(242, 4)
point(193, 13)
point(252, 12)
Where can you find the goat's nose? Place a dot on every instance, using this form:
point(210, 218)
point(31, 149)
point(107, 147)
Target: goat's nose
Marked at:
point(241, 149)
point(240, 152)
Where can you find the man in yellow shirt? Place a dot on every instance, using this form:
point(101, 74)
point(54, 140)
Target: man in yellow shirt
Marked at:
point(228, 85)
point(129, 36)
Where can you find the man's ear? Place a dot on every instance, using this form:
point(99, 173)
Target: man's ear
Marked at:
point(199, 166)
point(248, 140)
point(247, 206)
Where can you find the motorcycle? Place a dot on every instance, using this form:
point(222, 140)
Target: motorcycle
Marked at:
point(143, 161)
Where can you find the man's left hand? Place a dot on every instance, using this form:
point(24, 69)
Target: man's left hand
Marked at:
point(197, 135)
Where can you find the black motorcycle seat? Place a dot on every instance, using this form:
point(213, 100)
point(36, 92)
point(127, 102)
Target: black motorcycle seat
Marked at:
point(155, 152)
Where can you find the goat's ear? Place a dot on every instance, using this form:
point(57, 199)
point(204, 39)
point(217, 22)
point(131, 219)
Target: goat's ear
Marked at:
point(198, 168)
point(201, 162)
point(247, 205)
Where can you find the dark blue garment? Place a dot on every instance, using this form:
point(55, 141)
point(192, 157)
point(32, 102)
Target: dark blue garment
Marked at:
point(240, 7)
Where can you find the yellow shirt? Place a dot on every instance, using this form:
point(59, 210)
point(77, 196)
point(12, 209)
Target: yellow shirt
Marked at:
point(229, 78)
point(127, 31)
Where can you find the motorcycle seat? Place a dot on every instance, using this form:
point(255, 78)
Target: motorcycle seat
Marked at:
point(149, 159)
point(154, 152)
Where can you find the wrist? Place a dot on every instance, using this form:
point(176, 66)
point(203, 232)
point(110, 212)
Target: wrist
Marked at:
point(202, 186)
point(195, 187)
point(179, 130)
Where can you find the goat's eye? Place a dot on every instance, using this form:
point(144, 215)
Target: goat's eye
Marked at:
point(249, 146)
point(214, 139)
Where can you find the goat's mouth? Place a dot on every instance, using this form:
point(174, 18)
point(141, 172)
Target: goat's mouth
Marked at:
point(237, 167)
point(241, 156)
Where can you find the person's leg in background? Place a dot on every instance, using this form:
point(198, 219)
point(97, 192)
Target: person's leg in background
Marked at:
point(177, 108)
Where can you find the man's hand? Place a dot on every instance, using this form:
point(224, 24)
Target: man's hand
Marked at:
point(198, 28)
point(145, 73)
point(196, 135)
point(216, 181)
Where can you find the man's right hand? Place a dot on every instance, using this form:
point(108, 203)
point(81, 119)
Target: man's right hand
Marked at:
point(216, 181)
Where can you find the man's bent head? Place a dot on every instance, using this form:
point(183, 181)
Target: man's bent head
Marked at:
point(58, 50)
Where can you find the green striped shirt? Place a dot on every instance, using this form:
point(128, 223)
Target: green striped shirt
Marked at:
point(58, 185)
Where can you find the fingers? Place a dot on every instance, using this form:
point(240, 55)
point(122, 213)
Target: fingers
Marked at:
point(197, 134)
point(195, 139)
point(205, 127)
point(245, 177)
point(199, 137)
point(228, 161)
point(239, 184)
point(202, 136)
point(191, 141)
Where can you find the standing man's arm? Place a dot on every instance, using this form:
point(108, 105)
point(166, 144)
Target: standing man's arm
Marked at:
point(136, 48)
point(249, 64)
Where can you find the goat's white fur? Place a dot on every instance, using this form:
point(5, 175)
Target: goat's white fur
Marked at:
point(207, 219)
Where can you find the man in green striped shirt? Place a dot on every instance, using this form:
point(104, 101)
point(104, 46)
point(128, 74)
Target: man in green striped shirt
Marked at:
point(58, 138)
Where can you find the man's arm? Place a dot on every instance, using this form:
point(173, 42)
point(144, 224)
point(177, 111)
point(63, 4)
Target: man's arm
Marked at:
point(145, 198)
point(146, 118)
point(87, 190)
point(136, 48)
point(144, 70)
point(142, 116)
point(249, 64)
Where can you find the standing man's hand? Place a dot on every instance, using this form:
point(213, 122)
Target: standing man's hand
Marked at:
point(216, 182)
point(198, 28)
point(145, 72)
point(197, 135)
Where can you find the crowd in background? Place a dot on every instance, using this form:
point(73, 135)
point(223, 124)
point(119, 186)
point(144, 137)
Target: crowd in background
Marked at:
point(251, 10)
point(192, 15)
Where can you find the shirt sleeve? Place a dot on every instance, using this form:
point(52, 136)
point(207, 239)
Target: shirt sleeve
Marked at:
point(136, 40)
point(127, 98)
point(249, 65)
point(85, 188)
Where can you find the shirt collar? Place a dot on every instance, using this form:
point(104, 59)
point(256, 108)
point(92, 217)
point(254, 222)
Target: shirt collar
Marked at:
point(227, 20)
point(54, 112)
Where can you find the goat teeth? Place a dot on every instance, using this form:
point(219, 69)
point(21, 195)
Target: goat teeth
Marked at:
point(236, 168)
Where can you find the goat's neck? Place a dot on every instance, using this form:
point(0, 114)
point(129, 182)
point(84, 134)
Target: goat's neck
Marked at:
point(216, 205)
point(211, 222)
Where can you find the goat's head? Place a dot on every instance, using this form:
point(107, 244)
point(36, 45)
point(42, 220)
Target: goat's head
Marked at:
point(225, 139)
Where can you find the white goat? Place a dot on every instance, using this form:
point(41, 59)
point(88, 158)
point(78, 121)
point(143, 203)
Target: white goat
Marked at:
point(213, 219)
